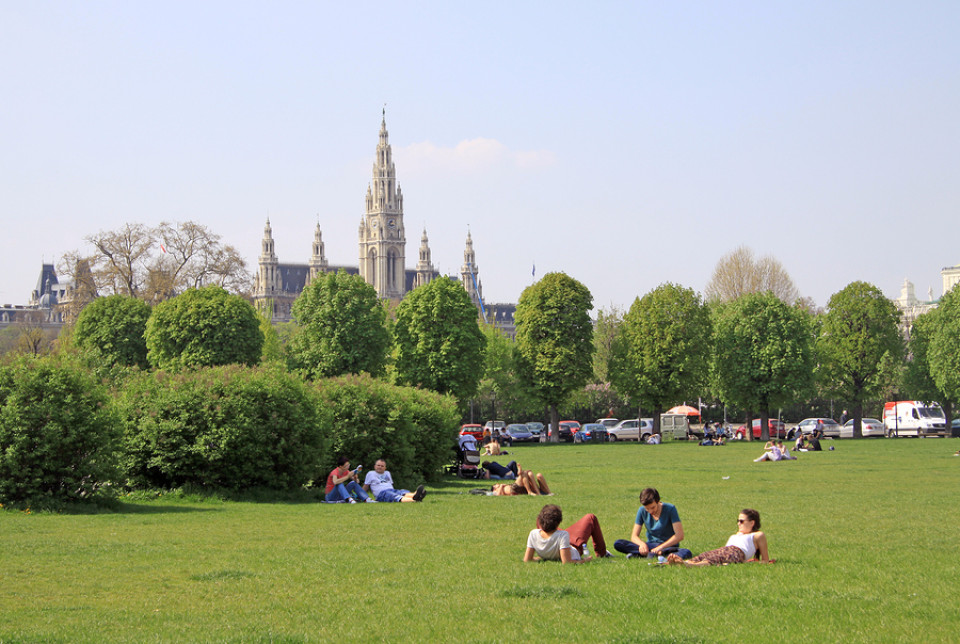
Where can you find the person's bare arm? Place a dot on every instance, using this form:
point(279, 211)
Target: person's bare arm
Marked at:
point(672, 541)
point(760, 541)
point(530, 555)
point(637, 539)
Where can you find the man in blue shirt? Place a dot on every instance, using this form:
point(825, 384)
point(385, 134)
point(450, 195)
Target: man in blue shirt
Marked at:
point(663, 526)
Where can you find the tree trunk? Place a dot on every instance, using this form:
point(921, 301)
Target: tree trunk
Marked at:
point(764, 425)
point(555, 424)
point(858, 420)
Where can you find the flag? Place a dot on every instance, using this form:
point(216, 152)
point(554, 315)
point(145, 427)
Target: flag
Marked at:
point(163, 248)
point(534, 271)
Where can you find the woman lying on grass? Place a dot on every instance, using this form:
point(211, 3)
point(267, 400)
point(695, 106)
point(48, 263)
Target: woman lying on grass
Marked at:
point(526, 483)
point(748, 543)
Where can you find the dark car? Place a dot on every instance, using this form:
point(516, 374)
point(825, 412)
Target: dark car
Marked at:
point(535, 427)
point(594, 433)
point(520, 433)
point(567, 429)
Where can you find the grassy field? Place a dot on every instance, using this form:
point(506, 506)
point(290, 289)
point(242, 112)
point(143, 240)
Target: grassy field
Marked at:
point(866, 539)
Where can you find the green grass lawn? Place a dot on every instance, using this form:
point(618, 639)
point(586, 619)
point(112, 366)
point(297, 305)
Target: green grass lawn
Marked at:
point(866, 539)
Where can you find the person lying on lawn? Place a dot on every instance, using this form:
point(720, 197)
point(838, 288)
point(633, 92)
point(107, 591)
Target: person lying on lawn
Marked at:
point(748, 543)
point(526, 483)
point(547, 542)
point(380, 483)
point(493, 470)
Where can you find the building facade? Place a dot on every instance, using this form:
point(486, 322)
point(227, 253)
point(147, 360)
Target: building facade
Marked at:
point(382, 254)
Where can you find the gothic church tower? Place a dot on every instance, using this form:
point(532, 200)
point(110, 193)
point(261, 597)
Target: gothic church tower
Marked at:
point(468, 273)
point(382, 238)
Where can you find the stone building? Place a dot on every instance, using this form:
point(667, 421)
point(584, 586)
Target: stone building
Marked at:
point(911, 308)
point(382, 254)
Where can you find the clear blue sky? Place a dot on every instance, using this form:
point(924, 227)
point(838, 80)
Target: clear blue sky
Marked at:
point(627, 144)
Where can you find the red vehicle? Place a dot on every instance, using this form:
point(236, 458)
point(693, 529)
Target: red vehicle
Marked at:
point(778, 429)
point(473, 430)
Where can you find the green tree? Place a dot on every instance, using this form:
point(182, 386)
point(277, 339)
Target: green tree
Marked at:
point(763, 354)
point(439, 342)
point(918, 381)
point(858, 335)
point(203, 327)
point(664, 349)
point(943, 355)
point(499, 389)
point(604, 335)
point(554, 339)
point(111, 330)
point(340, 328)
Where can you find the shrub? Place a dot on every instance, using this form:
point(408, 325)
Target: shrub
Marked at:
point(366, 419)
point(58, 434)
point(203, 327)
point(220, 427)
point(111, 330)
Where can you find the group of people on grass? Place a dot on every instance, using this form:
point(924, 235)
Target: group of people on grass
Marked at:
point(343, 485)
point(664, 533)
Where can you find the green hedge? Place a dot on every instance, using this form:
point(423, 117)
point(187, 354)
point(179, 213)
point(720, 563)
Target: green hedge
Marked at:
point(228, 427)
point(366, 419)
point(58, 434)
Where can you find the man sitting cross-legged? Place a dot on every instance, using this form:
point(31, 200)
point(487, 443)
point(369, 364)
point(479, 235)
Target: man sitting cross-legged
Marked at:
point(380, 483)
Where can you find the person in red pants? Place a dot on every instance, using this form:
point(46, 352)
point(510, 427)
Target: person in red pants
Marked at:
point(547, 542)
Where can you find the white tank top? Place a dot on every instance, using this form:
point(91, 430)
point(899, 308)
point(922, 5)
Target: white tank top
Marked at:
point(744, 542)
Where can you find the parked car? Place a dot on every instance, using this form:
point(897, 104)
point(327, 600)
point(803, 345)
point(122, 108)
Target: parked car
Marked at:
point(830, 427)
point(519, 433)
point(494, 425)
point(474, 430)
point(631, 430)
point(594, 433)
point(914, 418)
point(608, 422)
point(868, 426)
point(777, 429)
point(567, 429)
point(535, 427)
point(955, 427)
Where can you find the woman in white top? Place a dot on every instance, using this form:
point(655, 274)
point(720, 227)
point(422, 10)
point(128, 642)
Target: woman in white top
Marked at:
point(771, 453)
point(746, 544)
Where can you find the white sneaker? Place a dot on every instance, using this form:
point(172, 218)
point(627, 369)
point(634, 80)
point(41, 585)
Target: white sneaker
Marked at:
point(351, 500)
point(371, 500)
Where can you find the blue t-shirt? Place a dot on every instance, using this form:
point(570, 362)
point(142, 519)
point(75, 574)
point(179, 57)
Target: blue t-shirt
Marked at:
point(662, 529)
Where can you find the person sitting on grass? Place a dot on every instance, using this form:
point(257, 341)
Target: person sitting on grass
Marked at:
point(526, 483)
point(342, 484)
point(748, 543)
point(547, 542)
point(784, 452)
point(380, 482)
point(771, 453)
point(663, 526)
point(492, 449)
point(493, 470)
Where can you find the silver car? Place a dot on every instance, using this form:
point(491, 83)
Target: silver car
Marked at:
point(830, 427)
point(868, 427)
point(631, 430)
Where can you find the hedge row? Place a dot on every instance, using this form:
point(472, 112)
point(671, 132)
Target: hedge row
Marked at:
point(63, 436)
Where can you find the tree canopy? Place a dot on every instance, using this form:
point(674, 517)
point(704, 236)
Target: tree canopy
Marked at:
point(763, 354)
point(340, 328)
point(858, 336)
point(738, 273)
point(554, 339)
point(663, 349)
point(158, 263)
point(439, 342)
point(203, 327)
point(943, 355)
point(112, 330)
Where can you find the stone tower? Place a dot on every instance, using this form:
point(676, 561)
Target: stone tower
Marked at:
point(382, 238)
point(468, 273)
point(425, 269)
point(268, 277)
point(318, 260)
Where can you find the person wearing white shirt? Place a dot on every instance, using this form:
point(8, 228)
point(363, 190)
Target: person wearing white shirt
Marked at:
point(379, 482)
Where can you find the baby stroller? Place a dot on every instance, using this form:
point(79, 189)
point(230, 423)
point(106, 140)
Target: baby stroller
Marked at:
point(467, 464)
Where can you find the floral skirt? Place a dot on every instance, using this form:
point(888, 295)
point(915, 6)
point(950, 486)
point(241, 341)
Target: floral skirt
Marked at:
point(720, 556)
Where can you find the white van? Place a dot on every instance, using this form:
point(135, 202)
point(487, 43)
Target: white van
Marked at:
point(914, 418)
